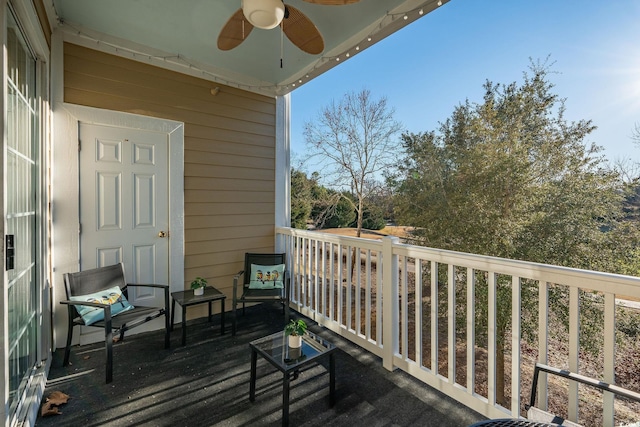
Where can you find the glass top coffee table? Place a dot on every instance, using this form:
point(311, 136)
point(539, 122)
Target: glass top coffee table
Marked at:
point(275, 349)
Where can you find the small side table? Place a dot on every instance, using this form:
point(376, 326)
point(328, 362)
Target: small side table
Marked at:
point(275, 350)
point(187, 299)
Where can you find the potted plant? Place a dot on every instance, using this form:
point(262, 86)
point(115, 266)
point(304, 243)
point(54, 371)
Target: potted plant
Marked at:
point(295, 330)
point(198, 285)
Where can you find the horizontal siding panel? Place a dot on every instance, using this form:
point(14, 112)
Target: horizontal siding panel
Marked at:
point(247, 219)
point(215, 159)
point(228, 172)
point(237, 244)
point(228, 196)
point(230, 208)
point(160, 95)
point(79, 59)
point(225, 257)
point(233, 148)
point(204, 234)
point(205, 132)
point(207, 183)
point(158, 109)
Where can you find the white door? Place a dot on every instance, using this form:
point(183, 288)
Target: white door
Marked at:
point(124, 205)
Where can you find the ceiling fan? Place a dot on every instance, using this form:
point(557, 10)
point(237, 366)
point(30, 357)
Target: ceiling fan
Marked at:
point(268, 14)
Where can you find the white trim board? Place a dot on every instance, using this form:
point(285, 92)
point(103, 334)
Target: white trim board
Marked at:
point(65, 177)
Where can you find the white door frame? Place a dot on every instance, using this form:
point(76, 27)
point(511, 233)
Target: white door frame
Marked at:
point(65, 188)
point(64, 209)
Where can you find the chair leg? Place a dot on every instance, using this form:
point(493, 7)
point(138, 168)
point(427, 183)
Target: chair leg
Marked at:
point(167, 324)
point(67, 349)
point(233, 322)
point(167, 331)
point(108, 338)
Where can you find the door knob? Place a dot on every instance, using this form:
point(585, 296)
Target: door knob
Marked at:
point(162, 234)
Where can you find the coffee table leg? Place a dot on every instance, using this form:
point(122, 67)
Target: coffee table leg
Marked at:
point(252, 382)
point(210, 302)
point(222, 318)
point(184, 325)
point(173, 312)
point(332, 380)
point(285, 400)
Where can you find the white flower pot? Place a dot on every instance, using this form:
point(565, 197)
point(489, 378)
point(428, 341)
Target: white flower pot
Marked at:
point(198, 291)
point(295, 341)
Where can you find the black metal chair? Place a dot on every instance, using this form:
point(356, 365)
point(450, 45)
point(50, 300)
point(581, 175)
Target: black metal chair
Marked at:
point(244, 292)
point(98, 281)
point(537, 414)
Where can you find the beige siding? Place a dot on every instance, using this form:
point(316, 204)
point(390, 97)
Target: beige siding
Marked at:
point(229, 153)
point(42, 18)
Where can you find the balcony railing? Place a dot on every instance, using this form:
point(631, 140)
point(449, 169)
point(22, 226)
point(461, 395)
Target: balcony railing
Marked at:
point(447, 317)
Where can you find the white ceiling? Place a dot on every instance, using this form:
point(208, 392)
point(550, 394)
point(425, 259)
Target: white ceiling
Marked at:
point(182, 34)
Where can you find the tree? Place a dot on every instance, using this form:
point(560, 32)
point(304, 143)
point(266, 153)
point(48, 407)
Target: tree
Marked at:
point(339, 213)
point(510, 177)
point(635, 136)
point(354, 140)
point(301, 200)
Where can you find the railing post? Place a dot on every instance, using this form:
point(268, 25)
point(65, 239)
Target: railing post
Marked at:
point(390, 315)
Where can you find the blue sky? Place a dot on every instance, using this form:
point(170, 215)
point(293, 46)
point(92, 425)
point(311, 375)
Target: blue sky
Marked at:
point(437, 62)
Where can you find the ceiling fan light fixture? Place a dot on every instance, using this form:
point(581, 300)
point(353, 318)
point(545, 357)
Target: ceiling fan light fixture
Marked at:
point(265, 14)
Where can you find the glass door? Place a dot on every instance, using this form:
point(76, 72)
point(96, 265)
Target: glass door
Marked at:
point(21, 212)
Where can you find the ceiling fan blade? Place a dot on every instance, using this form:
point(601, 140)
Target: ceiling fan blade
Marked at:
point(302, 32)
point(234, 32)
point(332, 2)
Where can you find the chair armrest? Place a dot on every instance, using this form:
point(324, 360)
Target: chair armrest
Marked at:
point(105, 307)
point(87, 304)
point(236, 278)
point(150, 285)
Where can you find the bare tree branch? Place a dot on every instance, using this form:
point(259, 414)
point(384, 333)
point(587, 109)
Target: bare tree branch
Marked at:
point(354, 141)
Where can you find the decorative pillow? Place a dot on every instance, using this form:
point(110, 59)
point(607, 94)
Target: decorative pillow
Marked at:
point(266, 276)
point(112, 296)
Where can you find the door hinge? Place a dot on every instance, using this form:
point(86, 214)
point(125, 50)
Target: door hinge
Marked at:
point(79, 144)
point(79, 228)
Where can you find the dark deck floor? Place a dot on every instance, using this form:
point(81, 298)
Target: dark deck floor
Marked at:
point(206, 383)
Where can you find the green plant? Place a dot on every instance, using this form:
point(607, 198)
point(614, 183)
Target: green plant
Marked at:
point(296, 328)
point(198, 282)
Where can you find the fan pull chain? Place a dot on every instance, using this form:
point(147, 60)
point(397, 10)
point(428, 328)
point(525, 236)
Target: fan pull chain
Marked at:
point(281, 42)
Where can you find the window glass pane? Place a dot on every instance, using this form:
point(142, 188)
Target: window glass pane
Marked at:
point(21, 186)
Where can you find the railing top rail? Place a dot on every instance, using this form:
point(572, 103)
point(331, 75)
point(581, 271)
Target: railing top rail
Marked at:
point(359, 242)
point(586, 279)
point(628, 286)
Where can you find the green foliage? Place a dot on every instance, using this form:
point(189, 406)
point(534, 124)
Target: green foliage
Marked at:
point(628, 323)
point(294, 327)
point(340, 215)
point(198, 282)
point(301, 199)
point(511, 177)
point(373, 218)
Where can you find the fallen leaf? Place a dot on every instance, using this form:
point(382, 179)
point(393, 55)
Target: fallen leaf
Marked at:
point(48, 410)
point(55, 399)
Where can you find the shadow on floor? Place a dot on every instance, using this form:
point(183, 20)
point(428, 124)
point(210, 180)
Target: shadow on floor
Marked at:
point(206, 383)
